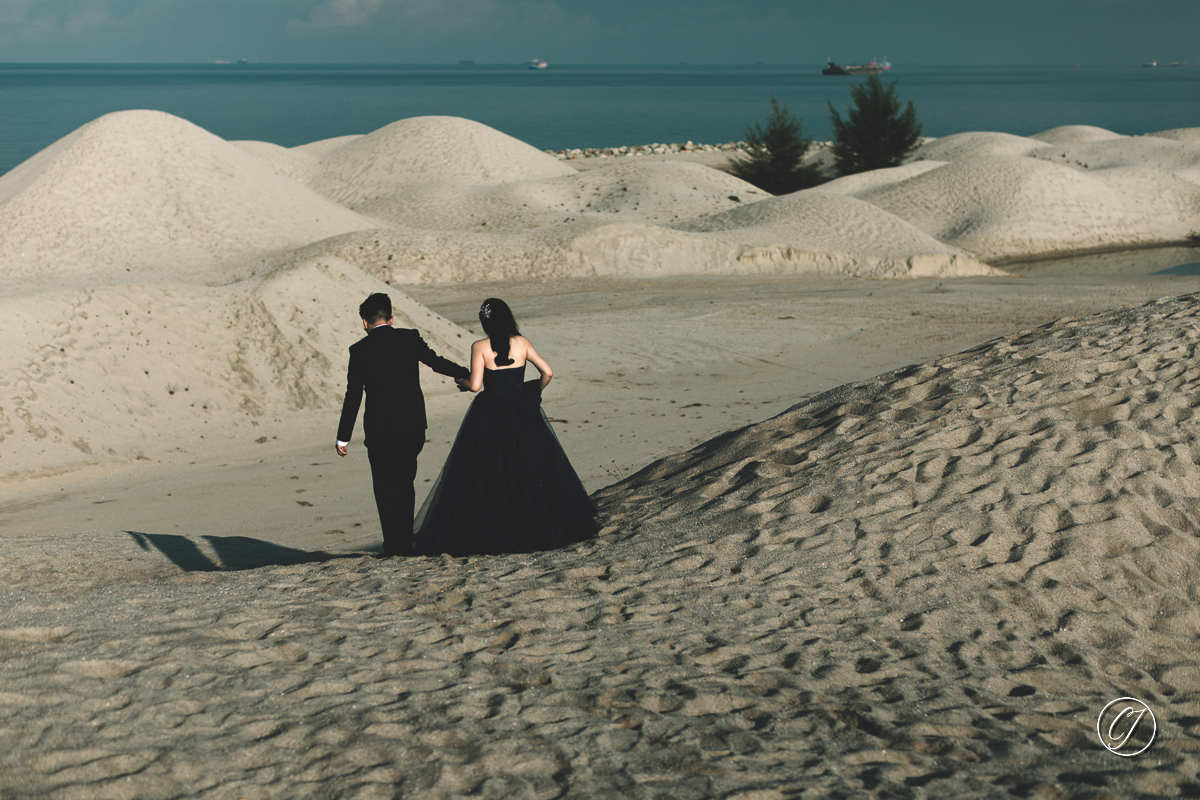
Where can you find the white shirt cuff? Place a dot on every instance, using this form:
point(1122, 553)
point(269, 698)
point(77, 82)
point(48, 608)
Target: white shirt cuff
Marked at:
point(342, 444)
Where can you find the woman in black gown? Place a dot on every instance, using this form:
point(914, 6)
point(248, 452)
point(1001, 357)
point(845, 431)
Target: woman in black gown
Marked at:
point(507, 485)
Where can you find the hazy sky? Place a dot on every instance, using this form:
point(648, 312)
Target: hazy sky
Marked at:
point(600, 31)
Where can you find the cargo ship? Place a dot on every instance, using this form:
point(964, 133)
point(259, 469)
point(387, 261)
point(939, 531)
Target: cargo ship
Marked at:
point(856, 69)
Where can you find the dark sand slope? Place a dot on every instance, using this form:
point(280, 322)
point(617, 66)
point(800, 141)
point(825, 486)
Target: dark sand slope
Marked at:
point(923, 585)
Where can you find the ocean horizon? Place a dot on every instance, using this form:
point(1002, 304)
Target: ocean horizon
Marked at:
point(578, 105)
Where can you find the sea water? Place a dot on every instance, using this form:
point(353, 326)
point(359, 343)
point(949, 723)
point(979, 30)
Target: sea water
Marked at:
point(577, 105)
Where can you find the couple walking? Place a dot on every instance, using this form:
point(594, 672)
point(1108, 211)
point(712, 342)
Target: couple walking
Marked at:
point(506, 486)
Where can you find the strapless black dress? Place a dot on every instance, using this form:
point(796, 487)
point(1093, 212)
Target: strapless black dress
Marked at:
point(507, 486)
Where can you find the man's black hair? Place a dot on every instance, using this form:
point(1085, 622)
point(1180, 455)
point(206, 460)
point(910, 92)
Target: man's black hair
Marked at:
point(376, 308)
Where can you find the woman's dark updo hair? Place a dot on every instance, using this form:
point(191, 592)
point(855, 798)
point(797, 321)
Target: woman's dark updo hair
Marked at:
point(500, 326)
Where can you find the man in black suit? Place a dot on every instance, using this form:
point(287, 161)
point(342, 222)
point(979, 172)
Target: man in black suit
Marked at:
point(384, 364)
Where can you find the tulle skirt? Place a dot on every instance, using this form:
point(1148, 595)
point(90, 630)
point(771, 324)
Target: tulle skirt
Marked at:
point(507, 486)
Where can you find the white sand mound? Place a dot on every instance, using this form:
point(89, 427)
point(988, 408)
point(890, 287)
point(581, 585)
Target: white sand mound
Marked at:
point(130, 370)
point(653, 218)
point(974, 144)
point(821, 226)
point(421, 150)
point(819, 222)
point(1078, 146)
point(577, 249)
point(994, 196)
point(1008, 207)
point(443, 198)
point(322, 146)
point(1170, 157)
point(302, 163)
point(1030, 505)
point(925, 585)
point(653, 192)
point(594, 247)
point(141, 189)
point(824, 162)
point(298, 166)
point(1075, 134)
point(863, 182)
point(1191, 135)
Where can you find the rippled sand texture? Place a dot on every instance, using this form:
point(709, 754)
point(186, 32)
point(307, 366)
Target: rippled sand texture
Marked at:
point(926, 584)
point(923, 585)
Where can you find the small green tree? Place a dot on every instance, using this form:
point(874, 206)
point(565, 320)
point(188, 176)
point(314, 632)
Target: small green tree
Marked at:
point(875, 133)
point(775, 161)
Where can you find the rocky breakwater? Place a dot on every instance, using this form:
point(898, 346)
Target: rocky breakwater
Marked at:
point(730, 148)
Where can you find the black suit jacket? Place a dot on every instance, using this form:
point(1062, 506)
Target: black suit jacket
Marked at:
point(384, 364)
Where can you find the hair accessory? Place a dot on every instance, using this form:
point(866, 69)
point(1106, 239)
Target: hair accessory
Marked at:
point(485, 311)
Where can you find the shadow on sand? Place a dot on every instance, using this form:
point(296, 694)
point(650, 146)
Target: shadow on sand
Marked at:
point(228, 552)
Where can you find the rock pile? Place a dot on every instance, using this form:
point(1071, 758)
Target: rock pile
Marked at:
point(648, 150)
point(732, 149)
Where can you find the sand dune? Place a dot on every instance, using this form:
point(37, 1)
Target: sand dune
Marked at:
point(1080, 146)
point(1075, 188)
point(592, 248)
point(1138, 153)
point(209, 211)
point(634, 219)
point(127, 372)
point(1179, 134)
point(611, 222)
point(1033, 207)
point(141, 193)
point(151, 214)
point(923, 584)
point(1057, 456)
point(421, 150)
point(1030, 505)
point(146, 193)
point(835, 225)
point(974, 144)
point(1073, 134)
point(648, 193)
point(926, 584)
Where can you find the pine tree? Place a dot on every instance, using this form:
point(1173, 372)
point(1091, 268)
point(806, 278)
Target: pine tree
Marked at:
point(775, 161)
point(875, 133)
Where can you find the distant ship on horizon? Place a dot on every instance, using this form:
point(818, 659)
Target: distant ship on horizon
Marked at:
point(538, 63)
point(873, 68)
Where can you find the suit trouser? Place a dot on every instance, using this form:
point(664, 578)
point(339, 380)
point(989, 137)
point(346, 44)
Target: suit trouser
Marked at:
point(393, 469)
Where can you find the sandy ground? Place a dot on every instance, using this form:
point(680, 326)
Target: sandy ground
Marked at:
point(201, 633)
point(725, 352)
point(208, 628)
point(898, 538)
